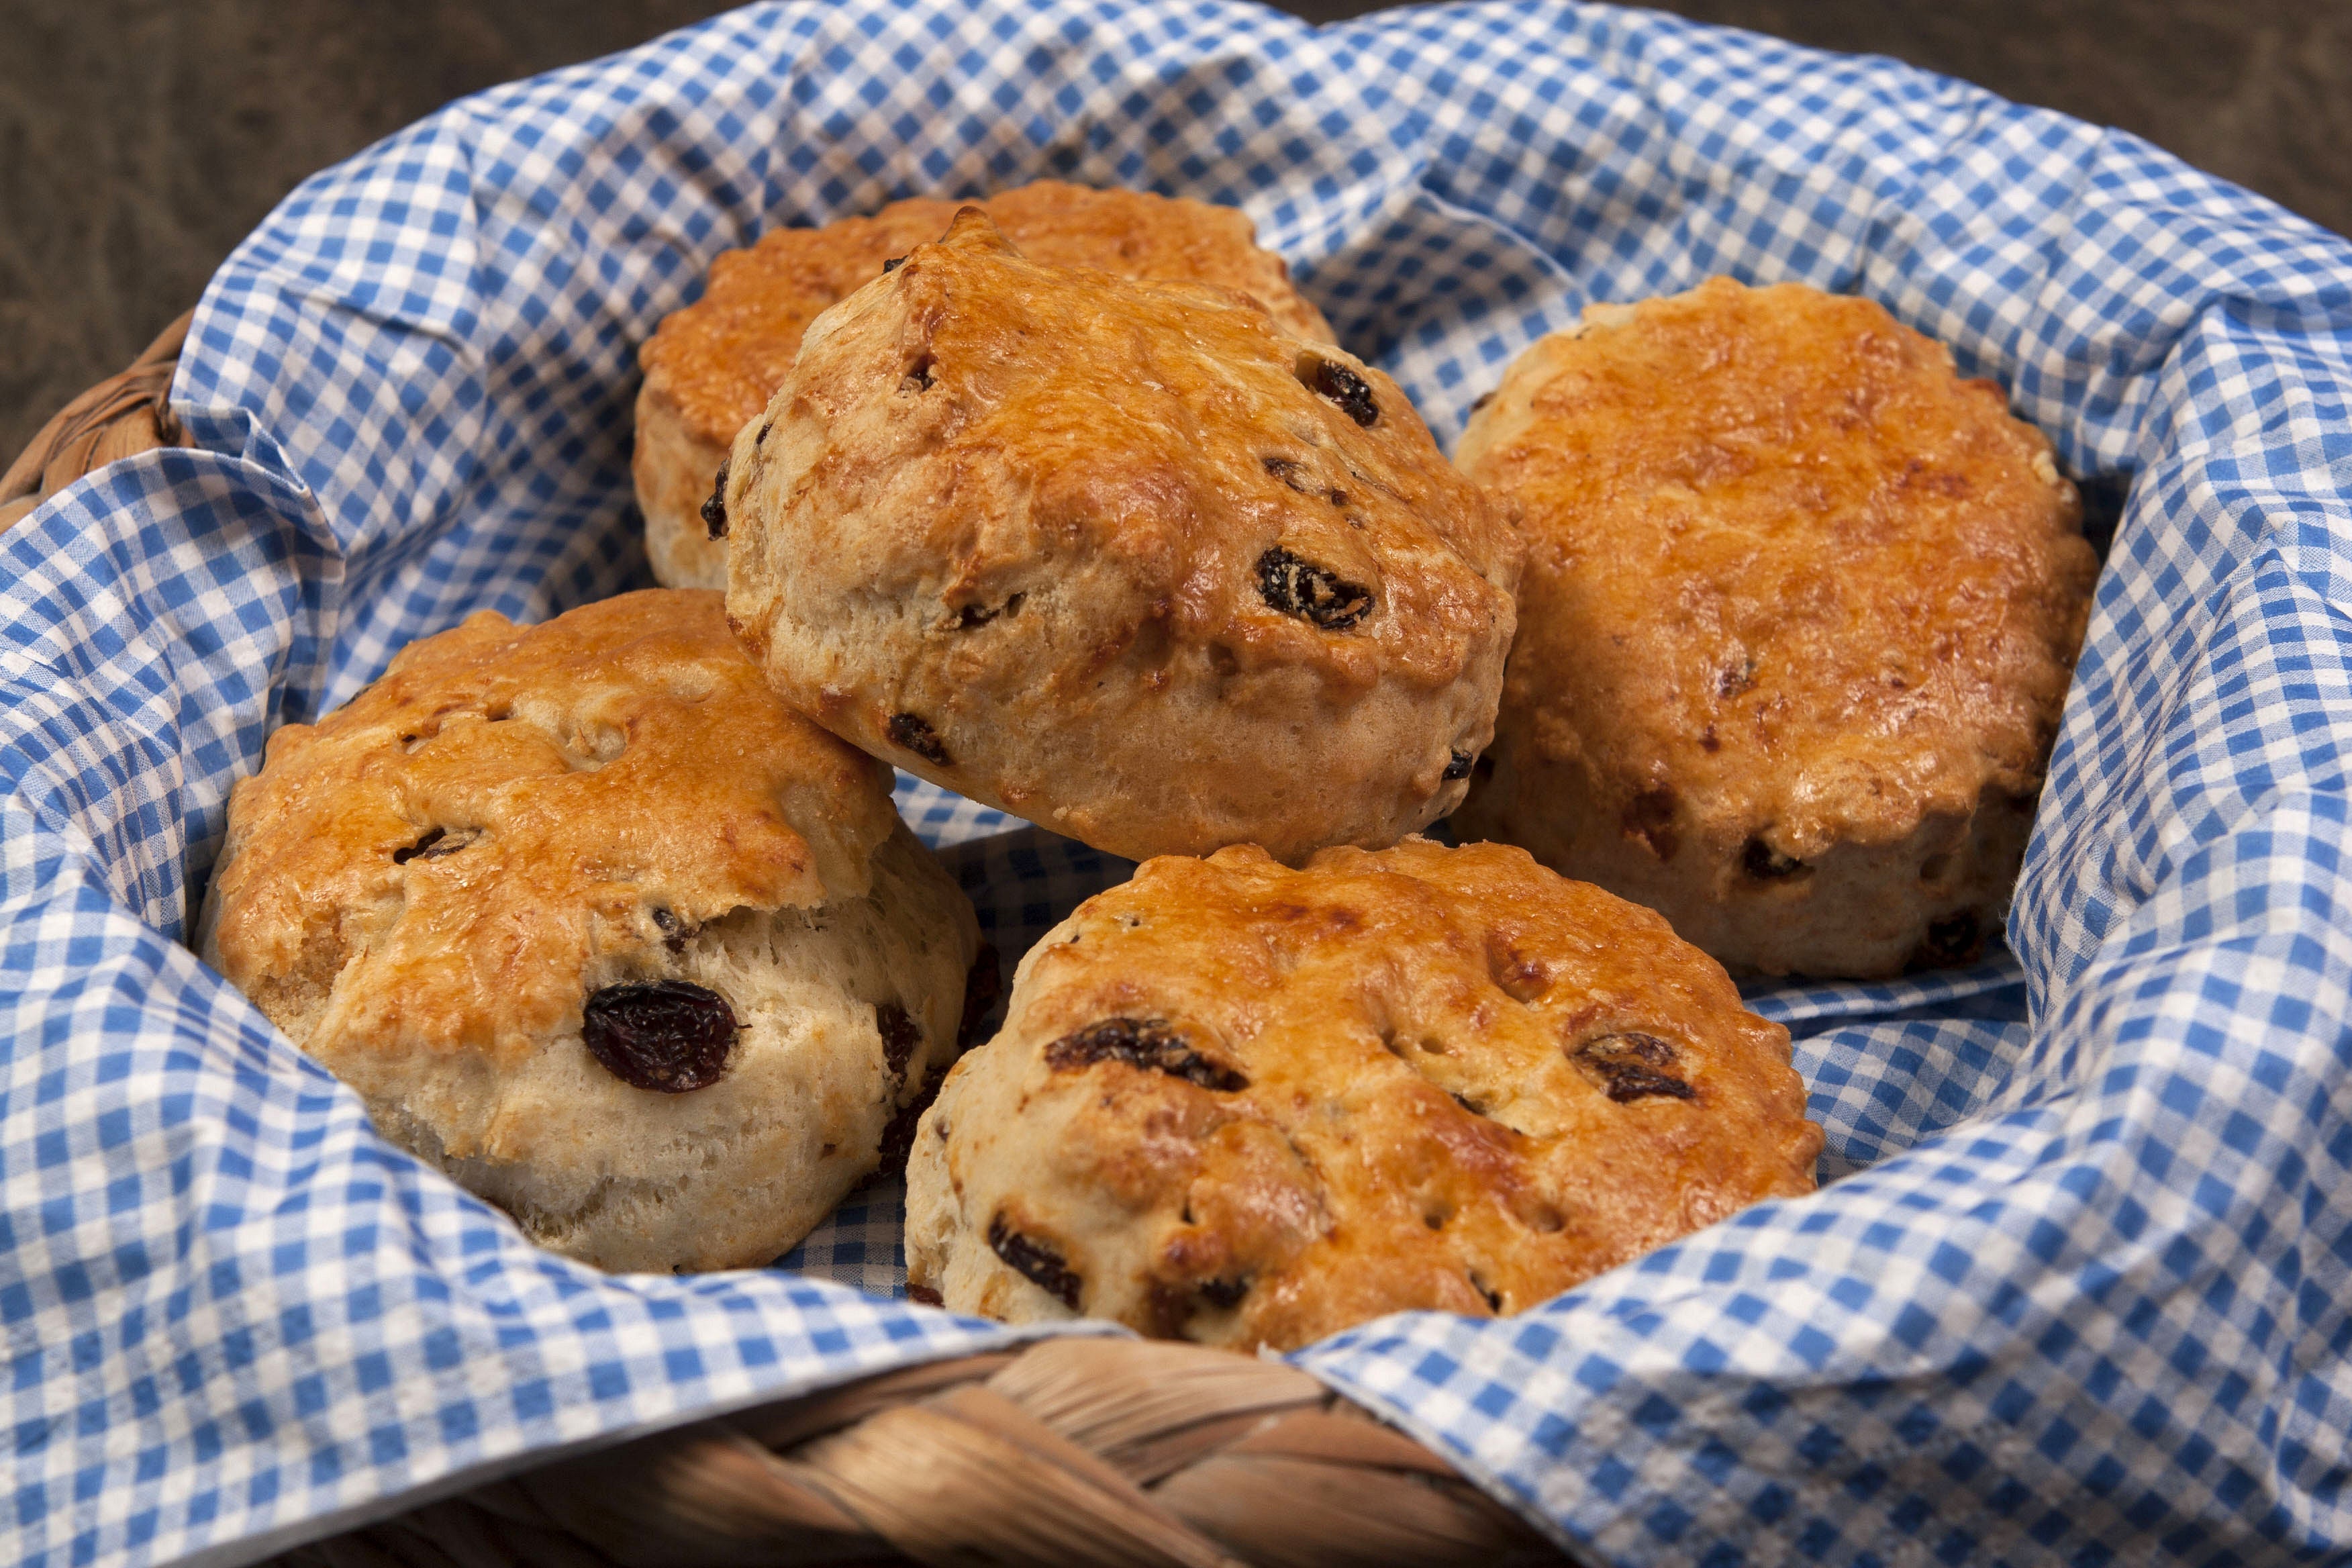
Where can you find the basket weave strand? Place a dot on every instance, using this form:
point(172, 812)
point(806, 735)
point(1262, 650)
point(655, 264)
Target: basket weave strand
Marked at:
point(1065, 1452)
point(123, 416)
point(1098, 1453)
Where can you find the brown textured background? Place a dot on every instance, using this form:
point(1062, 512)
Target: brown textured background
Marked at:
point(141, 139)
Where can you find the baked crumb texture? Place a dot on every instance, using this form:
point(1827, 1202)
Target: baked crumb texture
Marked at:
point(711, 367)
point(531, 871)
point(1799, 614)
point(1125, 557)
point(1251, 1106)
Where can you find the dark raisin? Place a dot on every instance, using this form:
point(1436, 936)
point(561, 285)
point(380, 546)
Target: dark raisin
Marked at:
point(1342, 385)
point(1632, 1065)
point(983, 986)
point(899, 1133)
point(1034, 1262)
point(762, 437)
point(1494, 1298)
point(714, 511)
point(1484, 399)
point(1470, 1105)
point(434, 844)
point(1952, 939)
point(1766, 864)
point(1147, 1044)
point(671, 1036)
point(1458, 764)
point(1300, 587)
point(900, 1037)
point(1167, 1308)
point(674, 930)
point(915, 733)
point(924, 1296)
point(1650, 818)
point(1290, 470)
point(1225, 1293)
point(892, 265)
point(972, 616)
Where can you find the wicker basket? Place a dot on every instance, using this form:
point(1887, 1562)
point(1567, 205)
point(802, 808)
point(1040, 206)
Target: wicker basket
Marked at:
point(1068, 1451)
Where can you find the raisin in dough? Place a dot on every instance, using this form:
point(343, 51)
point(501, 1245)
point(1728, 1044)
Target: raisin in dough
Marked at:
point(1799, 616)
point(712, 366)
point(1251, 1106)
point(595, 924)
point(1122, 557)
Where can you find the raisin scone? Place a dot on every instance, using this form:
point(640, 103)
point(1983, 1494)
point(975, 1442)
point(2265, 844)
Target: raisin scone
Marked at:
point(1799, 616)
point(1122, 557)
point(595, 923)
point(711, 367)
point(1251, 1106)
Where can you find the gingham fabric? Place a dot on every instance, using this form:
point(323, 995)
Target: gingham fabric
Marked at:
point(2076, 1290)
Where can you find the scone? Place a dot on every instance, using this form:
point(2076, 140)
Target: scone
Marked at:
point(595, 923)
point(712, 366)
point(1799, 614)
point(1122, 557)
point(1251, 1106)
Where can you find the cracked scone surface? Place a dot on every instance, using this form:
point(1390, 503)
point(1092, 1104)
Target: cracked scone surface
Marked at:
point(712, 366)
point(1799, 616)
point(1121, 557)
point(429, 890)
point(1251, 1106)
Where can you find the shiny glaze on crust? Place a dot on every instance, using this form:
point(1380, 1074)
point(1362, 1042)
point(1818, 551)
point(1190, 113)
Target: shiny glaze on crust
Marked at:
point(1799, 616)
point(1402, 1082)
point(721, 357)
point(563, 775)
point(1108, 554)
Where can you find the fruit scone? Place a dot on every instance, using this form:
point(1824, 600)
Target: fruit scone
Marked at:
point(1122, 556)
point(1251, 1106)
point(712, 366)
point(1800, 610)
point(595, 924)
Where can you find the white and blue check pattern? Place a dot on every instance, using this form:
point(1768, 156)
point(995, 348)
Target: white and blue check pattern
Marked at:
point(2077, 1289)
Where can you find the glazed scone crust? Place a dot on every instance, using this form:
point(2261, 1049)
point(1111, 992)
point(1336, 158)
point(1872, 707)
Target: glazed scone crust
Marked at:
point(1799, 616)
point(1387, 1112)
point(712, 366)
point(618, 798)
point(1008, 526)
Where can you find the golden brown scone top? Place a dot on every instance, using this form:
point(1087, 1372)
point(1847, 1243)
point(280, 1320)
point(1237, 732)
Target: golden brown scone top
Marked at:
point(1115, 553)
point(1782, 559)
point(722, 356)
point(1417, 1078)
point(511, 816)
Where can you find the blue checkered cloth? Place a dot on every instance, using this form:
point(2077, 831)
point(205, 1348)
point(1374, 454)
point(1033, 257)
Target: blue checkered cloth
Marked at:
point(2077, 1290)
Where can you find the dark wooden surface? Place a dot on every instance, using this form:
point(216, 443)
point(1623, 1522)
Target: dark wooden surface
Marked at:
point(141, 139)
